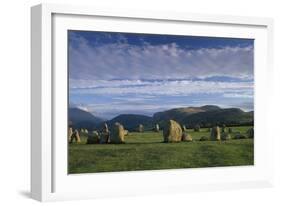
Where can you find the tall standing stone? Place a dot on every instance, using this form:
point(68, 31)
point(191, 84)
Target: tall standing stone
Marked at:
point(93, 137)
point(140, 128)
point(117, 135)
point(75, 137)
point(70, 133)
point(104, 136)
point(172, 132)
point(156, 129)
point(215, 134)
point(250, 133)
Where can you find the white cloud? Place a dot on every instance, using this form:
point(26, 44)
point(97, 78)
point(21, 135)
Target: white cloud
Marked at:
point(85, 108)
point(169, 88)
point(125, 61)
point(246, 95)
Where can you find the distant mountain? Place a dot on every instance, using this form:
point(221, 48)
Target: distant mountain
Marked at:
point(205, 116)
point(132, 121)
point(82, 119)
point(179, 114)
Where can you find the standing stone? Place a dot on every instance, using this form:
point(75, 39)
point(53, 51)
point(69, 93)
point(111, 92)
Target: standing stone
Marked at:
point(250, 133)
point(126, 132)
point(186, 137)
point(172, 132)
point(225, 136)
point(104, 136)
point(75, 137)
point(93, 137)
point(70, 133)
point(156, 129)
point(184, 128)
point(238, 135)
point(215, 134)
point(86, 131)
point(117, 134)
point(105, 128)
point(140, 128)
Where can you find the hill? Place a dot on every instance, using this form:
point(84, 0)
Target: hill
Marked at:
point(180, 114)
point(205, 116)
point(132, 121)
point(81, 119)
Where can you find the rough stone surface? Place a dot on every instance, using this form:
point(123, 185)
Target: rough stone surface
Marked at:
point(140, 128)
point(70, 132)
point(186, 137)
point(105, 128)
point(225, 136)
point(156, 129)
point(250, 133)
point(172, 132)
point(117, 134)
point(75, 137)
point(93, 138)
point(215, 134)
point(239, 136)
point(104, 135)
point(126, 132)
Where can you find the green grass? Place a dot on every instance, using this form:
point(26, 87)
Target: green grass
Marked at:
point(145, 151)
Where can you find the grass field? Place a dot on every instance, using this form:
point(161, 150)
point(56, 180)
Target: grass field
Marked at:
point(145, 151)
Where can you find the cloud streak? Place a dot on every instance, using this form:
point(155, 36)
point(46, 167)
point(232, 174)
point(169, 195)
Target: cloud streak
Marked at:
point(146, 61)
point(168, 87)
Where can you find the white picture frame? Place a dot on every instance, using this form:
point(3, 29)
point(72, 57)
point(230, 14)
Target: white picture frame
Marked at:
point(49, 178)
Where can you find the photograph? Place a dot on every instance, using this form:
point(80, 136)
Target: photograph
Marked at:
point(147, 101)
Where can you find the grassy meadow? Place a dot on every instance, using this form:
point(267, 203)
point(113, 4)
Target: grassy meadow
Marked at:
point(146, 151)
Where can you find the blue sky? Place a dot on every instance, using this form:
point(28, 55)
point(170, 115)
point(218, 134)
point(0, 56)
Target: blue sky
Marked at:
point(121, 73)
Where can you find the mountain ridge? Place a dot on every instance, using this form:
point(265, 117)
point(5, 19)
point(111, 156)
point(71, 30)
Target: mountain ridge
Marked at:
point(205, 116)
point(79, 118)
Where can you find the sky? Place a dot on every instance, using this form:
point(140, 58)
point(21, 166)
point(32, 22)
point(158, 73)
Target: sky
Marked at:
point(125, 73)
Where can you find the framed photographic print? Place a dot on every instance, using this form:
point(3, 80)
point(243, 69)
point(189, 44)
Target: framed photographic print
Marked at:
point(137, 102)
